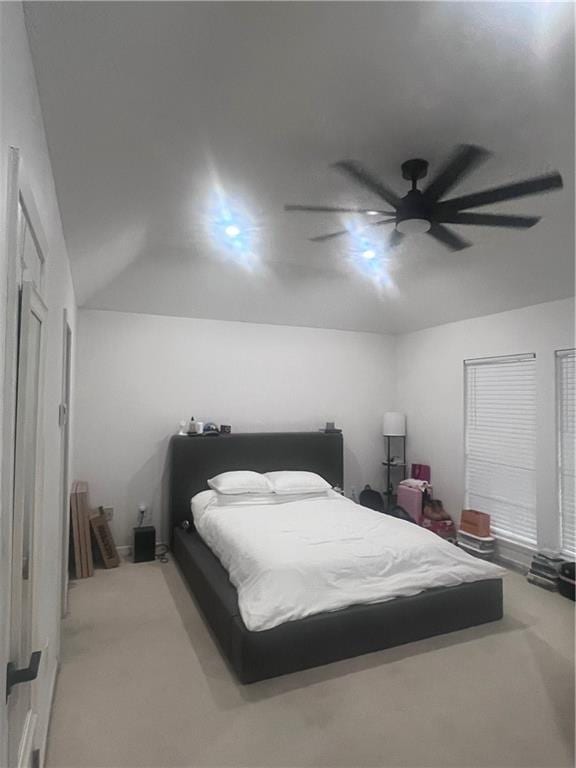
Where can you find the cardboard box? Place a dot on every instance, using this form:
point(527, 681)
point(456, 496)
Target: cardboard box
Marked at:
point(105, 542)
point(474, 522)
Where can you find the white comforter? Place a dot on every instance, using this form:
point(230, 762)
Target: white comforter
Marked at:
point(299, 558)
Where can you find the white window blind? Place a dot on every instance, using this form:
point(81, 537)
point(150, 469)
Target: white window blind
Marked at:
point(566, 424)
point(500, 444)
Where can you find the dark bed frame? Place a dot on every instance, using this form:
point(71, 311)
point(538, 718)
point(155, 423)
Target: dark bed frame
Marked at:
point(317, 639)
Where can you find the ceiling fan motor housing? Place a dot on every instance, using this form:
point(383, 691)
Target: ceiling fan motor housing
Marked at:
point(414, 170)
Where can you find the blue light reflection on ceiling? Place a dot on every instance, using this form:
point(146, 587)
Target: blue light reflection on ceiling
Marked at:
point(367, 255)
point(232, 231)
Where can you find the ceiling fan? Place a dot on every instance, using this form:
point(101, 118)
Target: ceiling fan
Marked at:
point(425, 210)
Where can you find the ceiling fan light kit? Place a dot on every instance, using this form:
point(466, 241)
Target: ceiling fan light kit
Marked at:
point(425, 211)
point(412, 225)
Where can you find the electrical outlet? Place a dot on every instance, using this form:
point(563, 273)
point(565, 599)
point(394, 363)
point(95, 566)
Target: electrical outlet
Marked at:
point(108, 513)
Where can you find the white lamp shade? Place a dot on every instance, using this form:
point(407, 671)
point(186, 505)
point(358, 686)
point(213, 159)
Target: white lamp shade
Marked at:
point(394, 424)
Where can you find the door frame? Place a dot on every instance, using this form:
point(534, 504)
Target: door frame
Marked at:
point(24, 624)
point(64, 421)
point(8, 432)
point(18, 192)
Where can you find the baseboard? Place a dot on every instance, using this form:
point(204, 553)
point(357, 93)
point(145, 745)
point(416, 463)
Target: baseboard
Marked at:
point(126, 549)
point(515, 555)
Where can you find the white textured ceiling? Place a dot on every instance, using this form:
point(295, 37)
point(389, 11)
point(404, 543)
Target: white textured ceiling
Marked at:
point(144, 103)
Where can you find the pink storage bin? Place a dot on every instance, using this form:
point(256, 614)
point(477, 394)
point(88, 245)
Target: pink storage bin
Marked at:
point(411, 499)
point(421, 472)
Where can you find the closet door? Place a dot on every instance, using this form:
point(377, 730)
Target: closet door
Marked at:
point(26, 509)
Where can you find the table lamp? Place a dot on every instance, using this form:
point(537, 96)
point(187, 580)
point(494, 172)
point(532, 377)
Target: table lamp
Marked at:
point(394, 424)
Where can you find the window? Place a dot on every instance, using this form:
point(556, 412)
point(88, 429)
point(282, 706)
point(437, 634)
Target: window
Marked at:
point(566, 426)
point(500, 444)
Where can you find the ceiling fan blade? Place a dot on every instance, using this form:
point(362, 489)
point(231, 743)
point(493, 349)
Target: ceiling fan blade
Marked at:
point(448, 238)
point(490, 220)
point(329, 209)
point(322, 238)
point(506, 192)
point(463, 160)
point(357, 172)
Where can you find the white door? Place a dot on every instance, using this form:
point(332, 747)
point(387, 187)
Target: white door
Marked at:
point(26, 495)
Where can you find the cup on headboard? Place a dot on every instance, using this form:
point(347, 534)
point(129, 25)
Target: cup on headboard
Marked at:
point(199, 427)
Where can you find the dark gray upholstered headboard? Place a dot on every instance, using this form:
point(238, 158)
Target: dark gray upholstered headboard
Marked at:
point(193, 460)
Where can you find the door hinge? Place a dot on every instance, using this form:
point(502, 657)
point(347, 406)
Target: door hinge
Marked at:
point(62, 414)
point(25, 568)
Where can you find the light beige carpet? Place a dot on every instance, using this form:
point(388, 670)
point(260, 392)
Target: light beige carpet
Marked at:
point(142, 684)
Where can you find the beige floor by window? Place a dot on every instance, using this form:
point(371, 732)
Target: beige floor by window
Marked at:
point(142, 684)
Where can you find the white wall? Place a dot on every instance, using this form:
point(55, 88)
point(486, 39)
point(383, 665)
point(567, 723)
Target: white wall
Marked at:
point(138, 376)
point(21, 126)
point(430, 390)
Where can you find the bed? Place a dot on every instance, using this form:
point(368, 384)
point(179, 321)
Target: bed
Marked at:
point(316, 639)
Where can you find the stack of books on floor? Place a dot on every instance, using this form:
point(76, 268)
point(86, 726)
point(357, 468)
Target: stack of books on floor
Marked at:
point(544, 570)
point(479, 546)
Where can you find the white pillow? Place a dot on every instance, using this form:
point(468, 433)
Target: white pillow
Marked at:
point(244, 499)
point(243, 481)
point(205, 500)
point(287, 482)
point(257, 499)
